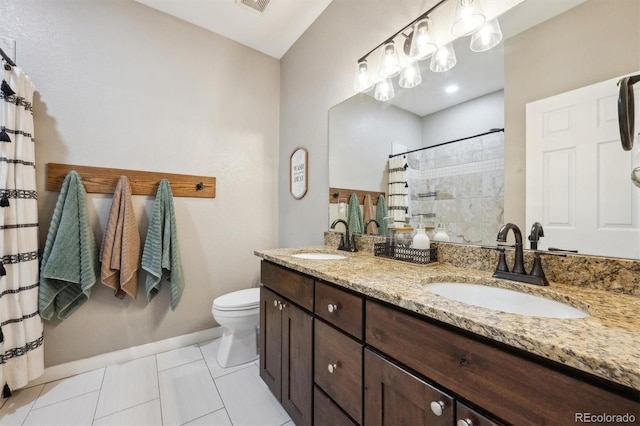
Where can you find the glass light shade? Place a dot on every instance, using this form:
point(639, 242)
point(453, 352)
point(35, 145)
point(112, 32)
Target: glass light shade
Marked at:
point(422, 45)
point(469, 17)
point(384, 90)
point(410, 76)
point(362, 82)
point(444, 59)
point(389, 63)
point(487, 37)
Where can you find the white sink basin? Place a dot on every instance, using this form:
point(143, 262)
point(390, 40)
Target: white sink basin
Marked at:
point(500, 299)
point(319, 256)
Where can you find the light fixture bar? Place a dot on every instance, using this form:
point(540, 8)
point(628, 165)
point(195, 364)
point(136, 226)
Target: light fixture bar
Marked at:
point(424, 15)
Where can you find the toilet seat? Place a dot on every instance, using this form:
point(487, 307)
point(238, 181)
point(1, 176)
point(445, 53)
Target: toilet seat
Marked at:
point(240, 300)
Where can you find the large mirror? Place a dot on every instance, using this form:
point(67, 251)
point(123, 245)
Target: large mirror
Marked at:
point(549, 48)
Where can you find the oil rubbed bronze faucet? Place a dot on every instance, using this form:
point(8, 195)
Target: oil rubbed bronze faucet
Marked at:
point(347, 242)
point(366, 225)
point(518, 272)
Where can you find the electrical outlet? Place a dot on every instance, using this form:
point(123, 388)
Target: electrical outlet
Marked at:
point(8, 46)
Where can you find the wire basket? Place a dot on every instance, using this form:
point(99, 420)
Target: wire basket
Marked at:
point(406, 254)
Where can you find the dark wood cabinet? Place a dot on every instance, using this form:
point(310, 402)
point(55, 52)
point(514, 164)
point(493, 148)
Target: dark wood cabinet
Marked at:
point(326, 412)
point(393, 396)
point(338, 368)
point(467, 416)
point(286, 354)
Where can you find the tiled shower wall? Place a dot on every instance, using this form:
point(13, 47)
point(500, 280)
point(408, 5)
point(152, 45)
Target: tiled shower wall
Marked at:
point(462, 183)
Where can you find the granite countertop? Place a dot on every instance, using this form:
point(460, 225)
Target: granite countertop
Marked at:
point(606, 344)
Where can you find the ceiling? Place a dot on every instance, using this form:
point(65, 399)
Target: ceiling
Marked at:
point(271, 32)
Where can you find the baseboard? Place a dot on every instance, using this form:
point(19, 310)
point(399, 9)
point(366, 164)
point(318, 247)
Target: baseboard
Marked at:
point(72, 368)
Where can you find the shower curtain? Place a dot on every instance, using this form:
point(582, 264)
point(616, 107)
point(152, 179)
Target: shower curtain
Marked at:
point(21, 331)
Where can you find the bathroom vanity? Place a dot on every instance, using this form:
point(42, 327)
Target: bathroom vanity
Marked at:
point(360, 341)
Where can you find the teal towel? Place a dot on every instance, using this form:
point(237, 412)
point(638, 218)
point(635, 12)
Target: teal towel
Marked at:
point(354, 215)
point(69, 265)
point(161, 254)
point(381, 213)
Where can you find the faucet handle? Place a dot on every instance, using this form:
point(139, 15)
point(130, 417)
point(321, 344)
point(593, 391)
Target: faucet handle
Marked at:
point(536, 270)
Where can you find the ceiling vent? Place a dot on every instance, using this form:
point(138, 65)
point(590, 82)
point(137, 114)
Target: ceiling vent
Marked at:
point(256, 5)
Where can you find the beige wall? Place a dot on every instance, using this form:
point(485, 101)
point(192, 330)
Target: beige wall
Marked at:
point(122, 85)
point(555, 57)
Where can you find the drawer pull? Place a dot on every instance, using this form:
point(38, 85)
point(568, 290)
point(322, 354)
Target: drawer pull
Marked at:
point(332, 308)
point(332, 368)
point(437, 407)
point(464, 422)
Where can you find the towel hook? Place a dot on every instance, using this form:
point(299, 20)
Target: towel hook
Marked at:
point(199, 186)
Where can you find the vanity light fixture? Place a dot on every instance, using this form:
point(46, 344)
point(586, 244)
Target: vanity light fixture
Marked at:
point(424, 38)
point(469, 17)
point(487, 37)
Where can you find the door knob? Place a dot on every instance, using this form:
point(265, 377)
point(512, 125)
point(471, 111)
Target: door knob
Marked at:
point(332, 308)
point(437, 407)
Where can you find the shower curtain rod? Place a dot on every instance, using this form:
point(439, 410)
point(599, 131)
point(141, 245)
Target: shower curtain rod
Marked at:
point(446, 143)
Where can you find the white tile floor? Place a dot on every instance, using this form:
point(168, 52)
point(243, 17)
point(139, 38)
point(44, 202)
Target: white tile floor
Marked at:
point(184, 386)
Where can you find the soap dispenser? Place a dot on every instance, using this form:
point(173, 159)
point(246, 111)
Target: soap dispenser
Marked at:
point(441, 232)
point(421, 239)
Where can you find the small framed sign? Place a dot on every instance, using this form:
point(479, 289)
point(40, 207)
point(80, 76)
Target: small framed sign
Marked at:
point(298, 173)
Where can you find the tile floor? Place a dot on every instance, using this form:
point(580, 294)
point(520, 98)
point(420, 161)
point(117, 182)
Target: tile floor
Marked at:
point(184, 386)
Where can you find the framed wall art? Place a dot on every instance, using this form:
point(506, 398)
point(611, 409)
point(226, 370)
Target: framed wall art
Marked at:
point(298, 172)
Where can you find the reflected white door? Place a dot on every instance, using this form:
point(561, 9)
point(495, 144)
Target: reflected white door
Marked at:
point(578, 175)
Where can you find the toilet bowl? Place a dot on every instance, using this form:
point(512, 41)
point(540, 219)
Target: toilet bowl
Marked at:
point(239, 315)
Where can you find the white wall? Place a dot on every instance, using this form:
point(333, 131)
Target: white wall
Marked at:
point(362, 130)
point(470, 118)
point(122, 85)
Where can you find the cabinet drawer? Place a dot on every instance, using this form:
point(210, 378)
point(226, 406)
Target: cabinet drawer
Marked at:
point(342, 309)
point(338, 368)
point(292, 285)
point(392, 396)
point(326, 412)
point(466, 416)
point(512, 387)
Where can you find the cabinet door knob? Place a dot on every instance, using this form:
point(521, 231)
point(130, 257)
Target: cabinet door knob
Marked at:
point(437, 407)
point(275, 303)
point(284, 305)
point(332, 308)
point(464, 422)
point(332, 368)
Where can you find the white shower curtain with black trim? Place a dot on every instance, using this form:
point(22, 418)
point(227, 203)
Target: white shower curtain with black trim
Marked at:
point(21, 330)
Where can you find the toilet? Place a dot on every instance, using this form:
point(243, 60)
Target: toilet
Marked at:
point(239, 315)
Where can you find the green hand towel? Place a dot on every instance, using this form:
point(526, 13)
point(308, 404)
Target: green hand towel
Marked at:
point(381, 213)
point(354, 215)
point(161, 254)
point(69, 265)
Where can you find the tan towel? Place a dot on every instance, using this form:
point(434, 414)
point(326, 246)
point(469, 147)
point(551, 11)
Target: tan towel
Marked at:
point(369, 213)
point(120, 253)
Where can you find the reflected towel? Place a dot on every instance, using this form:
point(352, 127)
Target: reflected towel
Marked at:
point(161, 254)
point(354, 215)
point(70, 260)
point(369, 213)
point(381, 213)
point(120, 252)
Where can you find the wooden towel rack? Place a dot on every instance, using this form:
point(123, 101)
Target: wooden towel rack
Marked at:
point(103, 180)
point(342, 194)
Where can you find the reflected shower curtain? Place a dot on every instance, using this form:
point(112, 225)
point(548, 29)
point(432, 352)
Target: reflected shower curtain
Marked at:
point(21, 331)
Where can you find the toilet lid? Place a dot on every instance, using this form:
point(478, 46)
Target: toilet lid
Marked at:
point(242, 299)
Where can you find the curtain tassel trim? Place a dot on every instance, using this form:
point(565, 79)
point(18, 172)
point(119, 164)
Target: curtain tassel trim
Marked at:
point(4, 136)
point(6, 89)
point(4, 201)
point(6, 391)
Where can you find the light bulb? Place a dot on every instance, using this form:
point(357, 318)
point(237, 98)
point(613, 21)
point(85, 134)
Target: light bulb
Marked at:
point(422, 45)
point(444, 59)
point(390, 63)
point(410, 76)
point(384, 90)
point(362, 82)
point(487, 37)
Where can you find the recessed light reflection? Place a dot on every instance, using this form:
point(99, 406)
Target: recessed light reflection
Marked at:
point(451, 89)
